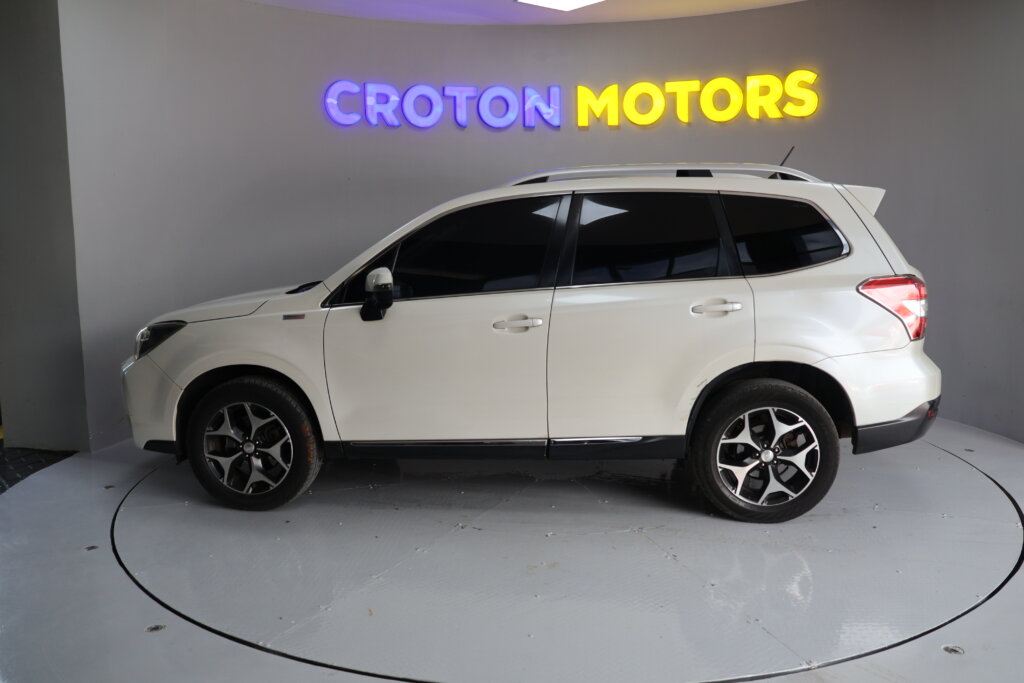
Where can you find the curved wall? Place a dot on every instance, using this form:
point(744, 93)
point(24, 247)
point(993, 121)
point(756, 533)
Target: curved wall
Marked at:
point(202, 163)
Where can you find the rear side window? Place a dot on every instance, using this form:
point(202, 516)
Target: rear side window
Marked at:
point(645, 236)
point(496, 247)
point(773, 234)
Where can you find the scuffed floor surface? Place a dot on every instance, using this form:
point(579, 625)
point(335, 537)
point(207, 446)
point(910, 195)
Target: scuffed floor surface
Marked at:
point(457, 571)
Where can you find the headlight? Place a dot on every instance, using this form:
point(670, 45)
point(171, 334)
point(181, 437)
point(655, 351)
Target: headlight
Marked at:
point(154, 335)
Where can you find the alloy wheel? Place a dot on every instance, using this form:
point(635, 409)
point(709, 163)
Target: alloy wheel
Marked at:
point(248, 448)
point(768, 456)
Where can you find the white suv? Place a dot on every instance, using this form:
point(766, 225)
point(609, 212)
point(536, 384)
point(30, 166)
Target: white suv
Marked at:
point(740, 317)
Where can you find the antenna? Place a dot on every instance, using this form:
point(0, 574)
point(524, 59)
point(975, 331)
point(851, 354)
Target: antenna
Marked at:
point(786, 158)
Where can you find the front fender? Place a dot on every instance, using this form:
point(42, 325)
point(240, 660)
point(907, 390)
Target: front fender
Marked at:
point(292, 347)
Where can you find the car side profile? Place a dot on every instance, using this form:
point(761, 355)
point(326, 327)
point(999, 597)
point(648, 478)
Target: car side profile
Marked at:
point(741, 318)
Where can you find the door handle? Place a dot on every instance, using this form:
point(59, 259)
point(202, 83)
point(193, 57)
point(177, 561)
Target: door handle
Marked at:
point(727, 307)
point(518, 324)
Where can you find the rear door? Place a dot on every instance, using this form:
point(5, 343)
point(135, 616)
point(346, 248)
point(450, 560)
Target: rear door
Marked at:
point(649, 306)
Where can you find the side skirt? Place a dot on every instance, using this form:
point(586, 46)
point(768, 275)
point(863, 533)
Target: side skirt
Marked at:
point(618, 448)
point(598, 448)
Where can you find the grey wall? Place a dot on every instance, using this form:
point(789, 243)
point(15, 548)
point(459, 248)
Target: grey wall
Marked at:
point(42, 391)
point(202, 164)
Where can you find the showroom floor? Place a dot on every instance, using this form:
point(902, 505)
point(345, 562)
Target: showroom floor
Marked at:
point(114, 566)
point(18, 463)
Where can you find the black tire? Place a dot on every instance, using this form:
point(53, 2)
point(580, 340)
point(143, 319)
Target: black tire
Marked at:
point(737, 484)
point(286, 450)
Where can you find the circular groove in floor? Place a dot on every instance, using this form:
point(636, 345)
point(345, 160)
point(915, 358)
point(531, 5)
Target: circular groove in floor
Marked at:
point(546, 571)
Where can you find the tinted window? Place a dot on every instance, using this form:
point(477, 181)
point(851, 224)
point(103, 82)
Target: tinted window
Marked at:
point(644, 236)
point(355, 290)
point(488, 248)
point(773, 235)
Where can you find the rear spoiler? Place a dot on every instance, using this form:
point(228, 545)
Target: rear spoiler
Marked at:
point(870, 197)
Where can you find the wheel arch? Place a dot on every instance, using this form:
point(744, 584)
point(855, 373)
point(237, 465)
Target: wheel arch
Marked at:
point(203, 383)
point(818, 383)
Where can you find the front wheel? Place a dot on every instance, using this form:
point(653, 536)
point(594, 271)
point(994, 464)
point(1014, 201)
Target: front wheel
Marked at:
point(764, 451)
point(252, 445)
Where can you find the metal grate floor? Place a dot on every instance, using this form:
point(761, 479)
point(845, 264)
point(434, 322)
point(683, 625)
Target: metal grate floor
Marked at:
point(18, 463)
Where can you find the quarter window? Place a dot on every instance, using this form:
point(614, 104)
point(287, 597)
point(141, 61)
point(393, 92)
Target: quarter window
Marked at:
point(773, 234)
point(645, 236)
point(494, 247)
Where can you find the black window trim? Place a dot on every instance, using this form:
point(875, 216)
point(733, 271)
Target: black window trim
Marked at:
point(565, 233)
point(548, 267)
point(728, 263)
point(847, 245)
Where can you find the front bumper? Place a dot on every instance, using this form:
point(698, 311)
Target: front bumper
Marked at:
point(911, 426)
point(150, 398)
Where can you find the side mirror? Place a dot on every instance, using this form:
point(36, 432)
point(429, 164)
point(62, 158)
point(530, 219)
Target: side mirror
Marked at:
point(379, 294)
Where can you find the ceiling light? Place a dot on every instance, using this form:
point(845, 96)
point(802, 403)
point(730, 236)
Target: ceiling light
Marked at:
point(564, 5)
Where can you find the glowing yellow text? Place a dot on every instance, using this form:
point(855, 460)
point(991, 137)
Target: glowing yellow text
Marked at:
point(719, 99)
point(588, 103)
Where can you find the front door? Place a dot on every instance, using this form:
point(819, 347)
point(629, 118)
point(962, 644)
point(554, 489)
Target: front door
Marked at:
point(460, 356)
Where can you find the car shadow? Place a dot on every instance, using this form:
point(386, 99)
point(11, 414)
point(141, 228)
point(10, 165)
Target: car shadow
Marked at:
point(660, 483)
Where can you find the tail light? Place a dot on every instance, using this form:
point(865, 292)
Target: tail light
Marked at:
point(905, 296)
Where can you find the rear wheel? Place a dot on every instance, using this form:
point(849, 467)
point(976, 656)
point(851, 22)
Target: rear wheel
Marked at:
point(764, 451)
point(252, 444)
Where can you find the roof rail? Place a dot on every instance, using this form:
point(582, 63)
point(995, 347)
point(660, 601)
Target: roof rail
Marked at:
point(681, 170)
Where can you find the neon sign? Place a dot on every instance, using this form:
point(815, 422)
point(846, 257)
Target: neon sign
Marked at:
point(644, 103)
point(423, 106)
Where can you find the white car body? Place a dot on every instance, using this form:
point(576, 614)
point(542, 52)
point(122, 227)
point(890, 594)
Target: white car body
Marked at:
point(611, 363)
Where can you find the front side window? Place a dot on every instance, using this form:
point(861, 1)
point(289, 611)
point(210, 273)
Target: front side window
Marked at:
point(645, 236)
point(774, 234)
point(495, 247)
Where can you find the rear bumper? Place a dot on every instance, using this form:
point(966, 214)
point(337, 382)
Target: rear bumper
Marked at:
point(885, 386)
point(911, 426)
